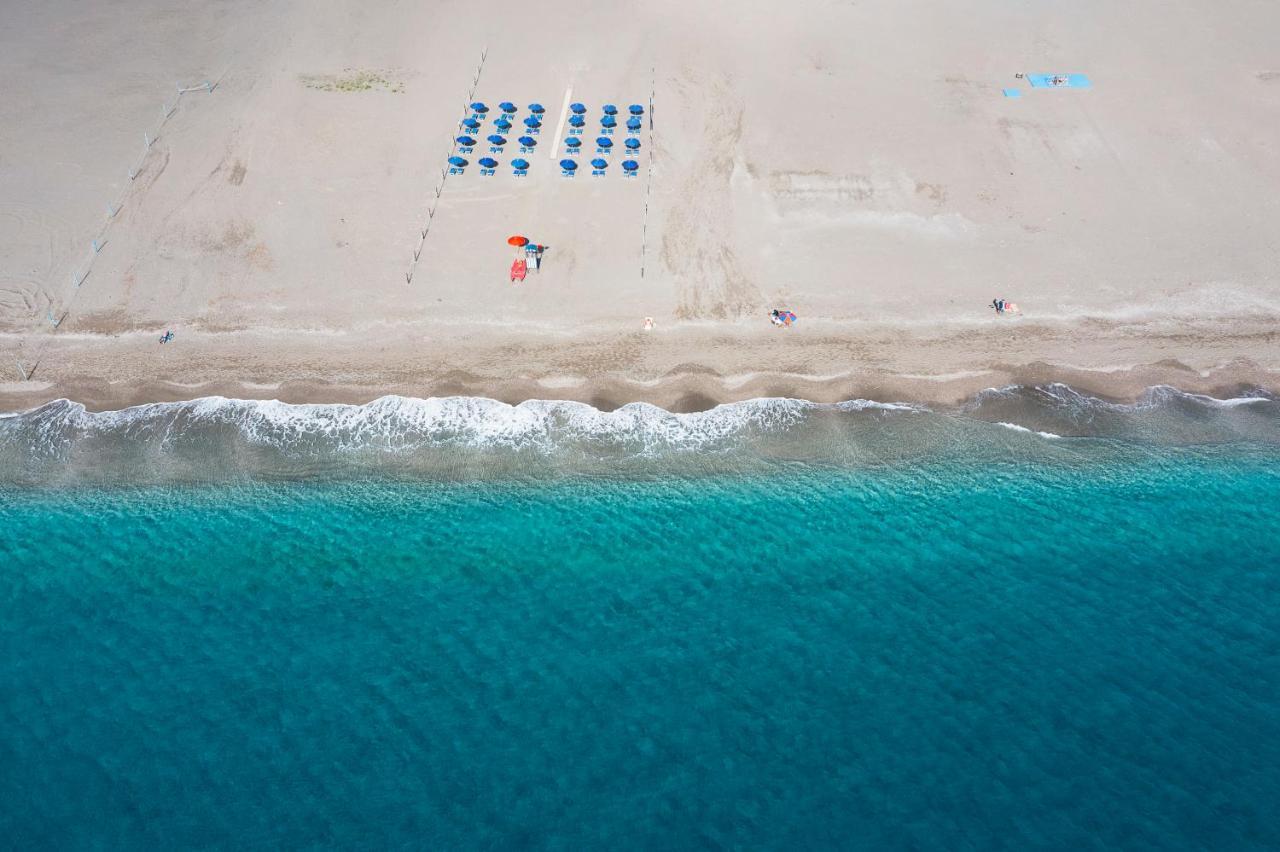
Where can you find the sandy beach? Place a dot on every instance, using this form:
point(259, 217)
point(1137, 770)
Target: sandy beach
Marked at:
point(859, 164)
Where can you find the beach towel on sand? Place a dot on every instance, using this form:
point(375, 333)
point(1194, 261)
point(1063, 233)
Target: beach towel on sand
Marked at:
point(519, 268)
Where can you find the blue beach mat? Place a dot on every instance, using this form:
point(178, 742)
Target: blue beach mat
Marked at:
point(1070, 81)
point(1012, 93)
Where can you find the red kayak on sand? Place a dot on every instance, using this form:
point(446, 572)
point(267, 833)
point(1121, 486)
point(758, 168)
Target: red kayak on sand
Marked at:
point(519, 268)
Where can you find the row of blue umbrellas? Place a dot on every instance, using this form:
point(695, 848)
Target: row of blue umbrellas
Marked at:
point(608, 109)
point(532, 122)
point(495, 139)
point(502, 124)
point(537, 109)
point(507, 107)
point(602, 142)
point(487, 162)
point(529, 142)
point(567, 165)
point(607, 121)
point(598, 163)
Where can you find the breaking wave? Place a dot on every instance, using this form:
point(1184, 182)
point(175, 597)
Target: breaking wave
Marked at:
point(216, 438)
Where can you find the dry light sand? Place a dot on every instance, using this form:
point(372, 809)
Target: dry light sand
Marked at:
point(853, 162)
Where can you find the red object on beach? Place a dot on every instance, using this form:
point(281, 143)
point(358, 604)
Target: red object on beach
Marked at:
point(517, 241)
point(519, 268)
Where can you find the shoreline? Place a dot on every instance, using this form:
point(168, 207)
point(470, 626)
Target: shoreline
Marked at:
point(681, 368)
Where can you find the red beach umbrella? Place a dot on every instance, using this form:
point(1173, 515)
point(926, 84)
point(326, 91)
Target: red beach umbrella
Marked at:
point(517, 241)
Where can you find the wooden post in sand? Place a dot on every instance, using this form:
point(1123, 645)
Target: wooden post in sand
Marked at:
point(648, 186)
point(444, 173)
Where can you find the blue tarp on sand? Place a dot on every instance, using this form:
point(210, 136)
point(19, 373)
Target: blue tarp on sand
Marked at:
point(1068, 81)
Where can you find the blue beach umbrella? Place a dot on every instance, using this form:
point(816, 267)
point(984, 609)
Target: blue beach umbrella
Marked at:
point(507, 107)
point(633, 124)
point(488, 162)
point(520, 164)
point(608, 121)
point(630, 165)
point(604, 142)
point(633, 144)
point(479, 106)
point(465, 141)
point(495, 139)
point(532, 122)
point(572, 142)
point(502, 124)
point(527, 141)
point(536, 109)
point(470, 123)
point(568, 165)
point(577, 121)
point(599, 163)
point(610, 109)
point(578, 109)
point(457, 161)
point(635, 109)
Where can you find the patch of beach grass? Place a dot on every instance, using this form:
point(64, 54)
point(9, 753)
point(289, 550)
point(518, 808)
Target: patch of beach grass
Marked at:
point(354, 80)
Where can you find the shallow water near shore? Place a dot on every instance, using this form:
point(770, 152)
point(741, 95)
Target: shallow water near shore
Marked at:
point(1037, 620)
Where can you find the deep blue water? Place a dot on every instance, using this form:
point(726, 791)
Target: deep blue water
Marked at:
point(1068, 649)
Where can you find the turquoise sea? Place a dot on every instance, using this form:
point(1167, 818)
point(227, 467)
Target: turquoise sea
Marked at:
point(1039, 620)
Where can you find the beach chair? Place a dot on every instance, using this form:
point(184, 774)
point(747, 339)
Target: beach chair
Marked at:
point(520, 172)
point(456, 170)
point(484, 171)
point(465, 149)
point(568, 172)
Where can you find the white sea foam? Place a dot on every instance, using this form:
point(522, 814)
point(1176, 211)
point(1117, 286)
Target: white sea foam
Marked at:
point(213, 431)
point(396, 423)
point(1015, 427)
